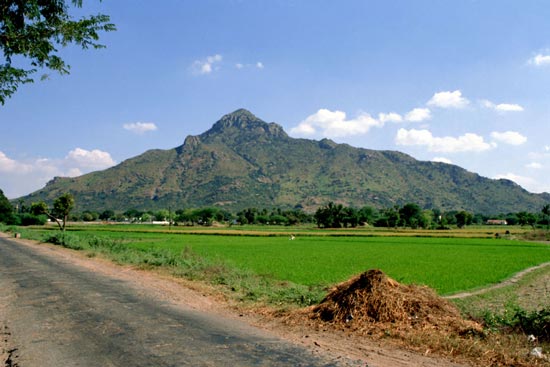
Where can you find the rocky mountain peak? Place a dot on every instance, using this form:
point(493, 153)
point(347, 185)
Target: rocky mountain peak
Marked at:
point(243, 120)
point(240, 118)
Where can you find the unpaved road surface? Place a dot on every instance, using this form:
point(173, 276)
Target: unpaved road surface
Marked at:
point(57, 314)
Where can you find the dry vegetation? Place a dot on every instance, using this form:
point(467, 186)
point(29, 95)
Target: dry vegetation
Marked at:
point(372, 305)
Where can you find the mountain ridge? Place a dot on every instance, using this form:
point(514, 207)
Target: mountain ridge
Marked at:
point(243, 161)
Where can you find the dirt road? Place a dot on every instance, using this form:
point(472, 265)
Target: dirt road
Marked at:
point(54, 313)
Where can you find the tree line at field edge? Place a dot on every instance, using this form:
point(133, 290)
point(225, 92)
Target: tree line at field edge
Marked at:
point(331, 215)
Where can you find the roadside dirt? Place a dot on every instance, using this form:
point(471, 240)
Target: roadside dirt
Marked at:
point(342, 348)
point(8, 352)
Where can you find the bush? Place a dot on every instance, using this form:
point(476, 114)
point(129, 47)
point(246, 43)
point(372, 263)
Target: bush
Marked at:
point(536, 323)
point(115, 246)
point(65, 240)
point(28, 219)
point(10, 219)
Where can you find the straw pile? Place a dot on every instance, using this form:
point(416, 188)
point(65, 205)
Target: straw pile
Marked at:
point(371, 300)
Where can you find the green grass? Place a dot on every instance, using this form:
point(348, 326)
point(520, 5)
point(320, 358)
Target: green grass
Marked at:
point(447, 265)
point(530, 293)
point(313, 261)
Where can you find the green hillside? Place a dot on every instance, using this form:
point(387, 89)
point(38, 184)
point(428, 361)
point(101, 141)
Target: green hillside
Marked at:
point(243, 162)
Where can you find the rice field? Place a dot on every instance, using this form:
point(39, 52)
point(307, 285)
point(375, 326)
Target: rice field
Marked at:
point(447, 264)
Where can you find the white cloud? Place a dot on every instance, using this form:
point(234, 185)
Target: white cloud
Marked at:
point(508, 107)
point(448, 100)
point(466, 143)
point(29, 175)
point(8, 165)
point(140, 127)
point(304, 129)
point(418, 115)
point(509, 137)
point(92, 159)
point(527, 183)
point(389, 117)
point(540, 60)
point(442, 160)
point(502, 107)
point(534, 165)
point(207, 65)
point(334, 124)
point(259, 65)
point(73, 172)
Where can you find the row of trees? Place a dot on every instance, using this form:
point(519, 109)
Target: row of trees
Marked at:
point(409, 215)
point(413, 216)
point(203, 216)
point(331, 215)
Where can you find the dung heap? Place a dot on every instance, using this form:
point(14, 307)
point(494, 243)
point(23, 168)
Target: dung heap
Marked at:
point(371, 301)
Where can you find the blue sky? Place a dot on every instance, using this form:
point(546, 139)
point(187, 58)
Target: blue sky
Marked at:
point(465, 82)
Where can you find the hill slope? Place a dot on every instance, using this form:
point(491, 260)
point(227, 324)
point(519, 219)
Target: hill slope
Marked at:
point(243, 162)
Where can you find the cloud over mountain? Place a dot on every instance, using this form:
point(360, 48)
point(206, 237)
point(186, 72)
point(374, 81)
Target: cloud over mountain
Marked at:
point(465, 143)
point(140, 127)
point(30, 174)
point(335, 124)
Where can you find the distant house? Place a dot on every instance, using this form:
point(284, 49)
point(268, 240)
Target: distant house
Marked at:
point(496, 222)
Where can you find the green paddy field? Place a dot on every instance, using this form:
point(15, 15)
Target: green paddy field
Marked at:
point(449, 263)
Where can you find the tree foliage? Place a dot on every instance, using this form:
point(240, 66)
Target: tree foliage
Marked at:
point(6, 209)
point(337, 216)
point(525, 218)
point(546, 213)
point(107, 215)
point(60, 211)
point(463, 218)
point(34, 30)
point(330, 216)
point(411, 215)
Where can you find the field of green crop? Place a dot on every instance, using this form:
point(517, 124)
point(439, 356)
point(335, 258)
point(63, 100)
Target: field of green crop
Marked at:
point(448, 265)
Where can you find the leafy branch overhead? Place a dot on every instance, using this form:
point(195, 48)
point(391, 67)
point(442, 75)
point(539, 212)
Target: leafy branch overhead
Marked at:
point(34, 29)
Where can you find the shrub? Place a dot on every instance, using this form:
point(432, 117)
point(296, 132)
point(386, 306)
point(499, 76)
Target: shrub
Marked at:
point(536, 323)
point(28, 219)
point(65, 240)
point(114, 246)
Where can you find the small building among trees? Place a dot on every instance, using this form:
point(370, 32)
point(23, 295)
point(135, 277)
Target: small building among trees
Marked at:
point(497, 222)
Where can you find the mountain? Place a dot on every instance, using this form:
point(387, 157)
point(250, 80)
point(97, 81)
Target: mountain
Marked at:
point(244, 162)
